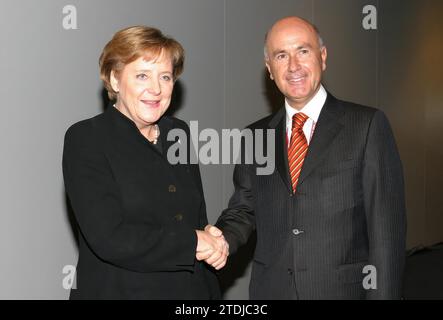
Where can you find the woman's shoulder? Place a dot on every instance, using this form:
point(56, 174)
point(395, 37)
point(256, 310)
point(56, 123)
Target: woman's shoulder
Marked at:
point(175, 123)
point(85, 130)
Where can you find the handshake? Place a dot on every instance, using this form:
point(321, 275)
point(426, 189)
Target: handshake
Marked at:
point(212, 247)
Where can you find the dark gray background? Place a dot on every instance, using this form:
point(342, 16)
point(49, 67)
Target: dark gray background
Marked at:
point(50, 80)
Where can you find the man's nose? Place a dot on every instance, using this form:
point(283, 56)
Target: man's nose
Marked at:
point(294, 64)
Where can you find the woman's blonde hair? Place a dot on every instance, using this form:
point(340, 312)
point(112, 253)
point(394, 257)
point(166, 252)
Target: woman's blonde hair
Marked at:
point(131, 43)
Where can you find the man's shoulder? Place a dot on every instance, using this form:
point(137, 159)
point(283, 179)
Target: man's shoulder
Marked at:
point(352, 112)
point(264, 123)
point(353, 107)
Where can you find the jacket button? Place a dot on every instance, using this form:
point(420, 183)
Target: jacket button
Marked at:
point(178, 217)
point(290, 272)
point(172, 188)
point(296, 232)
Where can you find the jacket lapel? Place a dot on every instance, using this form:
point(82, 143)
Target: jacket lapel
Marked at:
point(281, 150)
point(327, 128)
point(165, 125)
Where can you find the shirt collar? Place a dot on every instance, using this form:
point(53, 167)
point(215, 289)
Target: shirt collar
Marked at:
point(312, 109)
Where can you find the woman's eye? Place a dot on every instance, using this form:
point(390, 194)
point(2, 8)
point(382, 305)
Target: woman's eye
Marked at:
point(142, 76)
point(167, 78)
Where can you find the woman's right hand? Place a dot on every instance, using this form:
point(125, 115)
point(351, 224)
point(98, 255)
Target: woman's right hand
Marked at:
point(212, 247)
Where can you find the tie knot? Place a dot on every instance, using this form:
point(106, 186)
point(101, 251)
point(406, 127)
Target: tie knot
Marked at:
point(298, 120)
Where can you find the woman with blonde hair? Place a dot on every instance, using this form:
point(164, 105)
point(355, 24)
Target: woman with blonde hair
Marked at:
point(140, 218)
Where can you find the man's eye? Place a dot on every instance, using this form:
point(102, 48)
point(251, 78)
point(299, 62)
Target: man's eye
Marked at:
point(281, 56)
point(304, 51)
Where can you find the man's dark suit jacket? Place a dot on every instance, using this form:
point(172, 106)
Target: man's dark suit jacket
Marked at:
point(348, 211)
point(136, 213)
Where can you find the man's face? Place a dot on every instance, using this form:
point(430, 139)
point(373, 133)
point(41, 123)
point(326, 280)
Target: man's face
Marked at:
point(295, 60)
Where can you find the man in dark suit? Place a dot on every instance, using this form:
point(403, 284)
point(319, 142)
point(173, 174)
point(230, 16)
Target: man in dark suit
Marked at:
point(335, 204)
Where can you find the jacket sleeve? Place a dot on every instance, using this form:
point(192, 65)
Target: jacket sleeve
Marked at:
point(195, 170)
point(384, 201)
point(202, 217)
point(96, 201)
point(238, 221)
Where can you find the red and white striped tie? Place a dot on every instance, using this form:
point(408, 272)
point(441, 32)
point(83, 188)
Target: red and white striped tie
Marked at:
point(297, 148)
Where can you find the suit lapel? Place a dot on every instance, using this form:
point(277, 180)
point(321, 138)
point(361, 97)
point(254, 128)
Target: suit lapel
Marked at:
point(165, 125)
point(281, 149)
point(326, 130)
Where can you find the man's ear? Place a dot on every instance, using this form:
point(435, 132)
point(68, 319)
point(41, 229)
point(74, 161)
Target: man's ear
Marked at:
point(269, 69)
point(324, 56)
point(114, 81)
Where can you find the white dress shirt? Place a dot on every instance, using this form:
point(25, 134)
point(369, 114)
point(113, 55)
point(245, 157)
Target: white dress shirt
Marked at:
point(312, 109)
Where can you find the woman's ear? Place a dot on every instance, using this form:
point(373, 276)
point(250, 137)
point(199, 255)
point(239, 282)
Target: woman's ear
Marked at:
point(114, 81)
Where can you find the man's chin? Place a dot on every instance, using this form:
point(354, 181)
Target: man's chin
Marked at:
point(299, 97)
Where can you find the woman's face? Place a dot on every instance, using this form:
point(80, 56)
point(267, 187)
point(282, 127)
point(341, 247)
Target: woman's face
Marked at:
point(144, 89)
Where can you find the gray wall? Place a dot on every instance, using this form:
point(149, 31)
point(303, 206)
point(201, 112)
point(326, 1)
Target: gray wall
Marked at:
point(50, 80)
